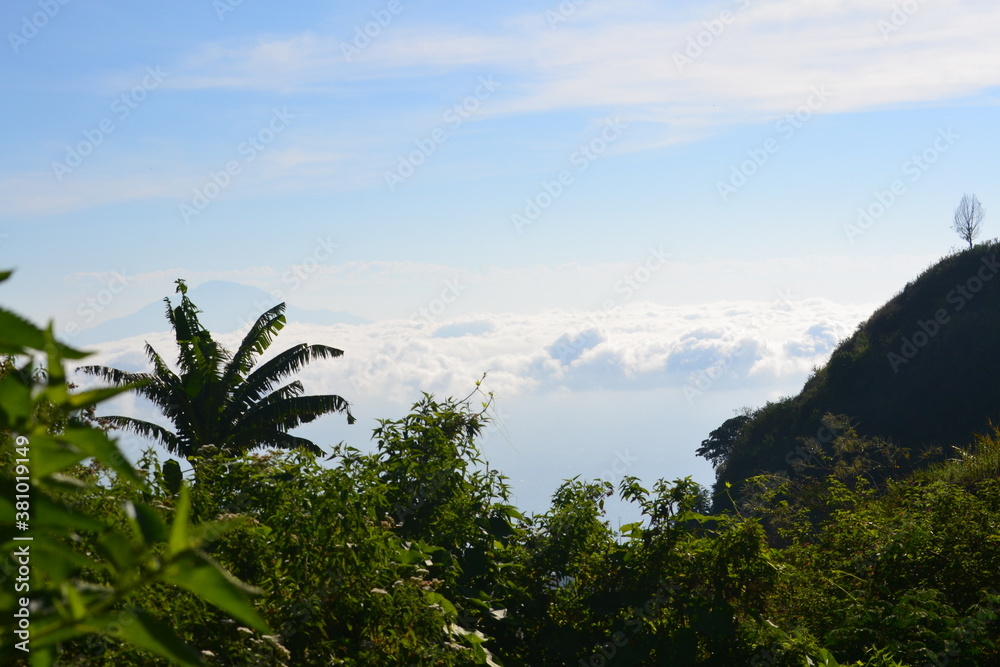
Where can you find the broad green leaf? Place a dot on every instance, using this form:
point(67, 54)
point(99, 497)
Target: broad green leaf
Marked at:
point(93, 442)
point(49, 455)
point(15, 401)
point(118, 549)
point(202, 576)
point(437, 598)
point(179, 539)
point(43, 656)
point(18, 334)
point(77, 606)
point(209, 531)
point(54, 514)
point(141, 629)
point(632, 530)
point(147, 523)
point(409, 556)
point(52, 631)
point(56, 559)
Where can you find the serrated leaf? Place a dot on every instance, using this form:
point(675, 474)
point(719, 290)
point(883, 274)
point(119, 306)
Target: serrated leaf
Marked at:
point(97, 444)
point(19, 334)
point(49, 455)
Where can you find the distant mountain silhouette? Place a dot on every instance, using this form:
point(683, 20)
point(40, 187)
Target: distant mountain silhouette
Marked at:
point(921, 372)
point(226, 307)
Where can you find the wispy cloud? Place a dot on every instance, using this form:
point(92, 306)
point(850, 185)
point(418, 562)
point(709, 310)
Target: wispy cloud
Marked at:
point(747, 59)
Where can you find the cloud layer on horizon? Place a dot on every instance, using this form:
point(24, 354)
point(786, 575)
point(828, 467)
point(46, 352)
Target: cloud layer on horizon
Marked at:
point(631, 347)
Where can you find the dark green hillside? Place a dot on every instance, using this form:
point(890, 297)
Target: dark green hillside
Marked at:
point(922, 372)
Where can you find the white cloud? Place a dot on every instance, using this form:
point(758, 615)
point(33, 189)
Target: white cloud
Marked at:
point(558, 417)
point(761, 64)
point(635, 346)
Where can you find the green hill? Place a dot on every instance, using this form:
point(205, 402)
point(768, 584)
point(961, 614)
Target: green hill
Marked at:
point(922, 372)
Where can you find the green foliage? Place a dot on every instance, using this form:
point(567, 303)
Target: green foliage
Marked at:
point(412, 553)
point(55, 590)
point(918, 373)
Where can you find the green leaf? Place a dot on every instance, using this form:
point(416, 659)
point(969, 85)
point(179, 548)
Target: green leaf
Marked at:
point(632, 530)
point(202, 576)
point(142, 629)
point(437, 598)
point(118, 549)
point(97, 444)
point(409, 556)
point(179, 539)
point(19, 334)
point(49, 455)
point(53, 514)
point(147, 523)
point(77, 606)
point(43, 656)
point(57, 560)
point(15, 400)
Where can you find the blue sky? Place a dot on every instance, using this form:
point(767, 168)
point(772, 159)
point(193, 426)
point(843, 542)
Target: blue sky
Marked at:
point(542, 155)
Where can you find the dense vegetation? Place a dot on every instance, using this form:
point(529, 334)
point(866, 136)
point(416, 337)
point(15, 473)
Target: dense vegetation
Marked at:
point(413, 555)
point(919, 373)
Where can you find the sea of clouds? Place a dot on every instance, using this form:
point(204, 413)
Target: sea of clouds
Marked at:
point(601, 393)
